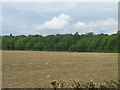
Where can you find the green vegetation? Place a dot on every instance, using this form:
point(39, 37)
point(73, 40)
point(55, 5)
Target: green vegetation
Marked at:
point(77, 85)
point(66, 42)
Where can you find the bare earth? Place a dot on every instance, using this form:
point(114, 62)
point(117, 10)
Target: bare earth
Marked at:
point(30, 69)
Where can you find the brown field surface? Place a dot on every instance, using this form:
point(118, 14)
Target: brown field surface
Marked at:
point(29, 69)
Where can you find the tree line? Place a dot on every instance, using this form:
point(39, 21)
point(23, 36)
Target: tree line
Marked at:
point(88, 42)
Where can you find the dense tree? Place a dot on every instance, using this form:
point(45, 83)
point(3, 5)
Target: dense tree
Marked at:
point(88, 42)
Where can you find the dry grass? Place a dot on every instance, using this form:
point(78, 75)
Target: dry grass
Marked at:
point(38, 68)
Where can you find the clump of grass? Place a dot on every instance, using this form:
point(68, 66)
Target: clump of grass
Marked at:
point(57, 84)
point(91, 84)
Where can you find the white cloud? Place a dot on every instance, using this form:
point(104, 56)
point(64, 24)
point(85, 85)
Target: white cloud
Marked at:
point(106, 26)
point(80, 25)
point(56, 23)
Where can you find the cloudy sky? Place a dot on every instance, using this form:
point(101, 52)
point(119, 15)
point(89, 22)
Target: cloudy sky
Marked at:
point(52, 18)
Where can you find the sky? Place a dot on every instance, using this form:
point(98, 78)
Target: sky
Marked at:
point(46, 18)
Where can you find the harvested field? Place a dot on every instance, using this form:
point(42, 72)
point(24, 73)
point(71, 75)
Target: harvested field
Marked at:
point(29, 69)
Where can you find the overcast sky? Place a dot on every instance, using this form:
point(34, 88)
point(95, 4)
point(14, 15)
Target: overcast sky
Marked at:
point(53, 18)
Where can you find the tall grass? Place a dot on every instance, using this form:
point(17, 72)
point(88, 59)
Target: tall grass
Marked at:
point(91, 84)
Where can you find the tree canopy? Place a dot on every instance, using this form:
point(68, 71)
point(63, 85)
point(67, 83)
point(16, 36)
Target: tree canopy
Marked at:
point(88, 42)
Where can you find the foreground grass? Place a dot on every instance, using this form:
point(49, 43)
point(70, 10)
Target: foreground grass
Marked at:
point(91, 84)
point(30, 69)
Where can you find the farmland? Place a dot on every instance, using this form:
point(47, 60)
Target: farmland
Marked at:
point(28, 69)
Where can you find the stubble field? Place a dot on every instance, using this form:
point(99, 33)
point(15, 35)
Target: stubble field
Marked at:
point(35, 69)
